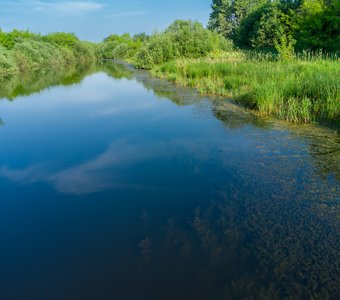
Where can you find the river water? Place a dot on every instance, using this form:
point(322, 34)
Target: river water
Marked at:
point(116, 185)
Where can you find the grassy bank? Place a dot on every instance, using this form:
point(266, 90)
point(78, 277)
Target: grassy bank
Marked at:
point(298, 90)
point(295, 86)
point(22, 51)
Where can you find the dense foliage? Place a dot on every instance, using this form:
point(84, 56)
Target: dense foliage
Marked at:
point(120, 46)
point(181, 39)
point(281, 25)
point(24, 50)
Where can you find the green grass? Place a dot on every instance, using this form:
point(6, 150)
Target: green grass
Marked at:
point(298, 90)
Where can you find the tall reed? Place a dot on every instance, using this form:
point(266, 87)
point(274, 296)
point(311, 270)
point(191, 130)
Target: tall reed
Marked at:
point(305, 89)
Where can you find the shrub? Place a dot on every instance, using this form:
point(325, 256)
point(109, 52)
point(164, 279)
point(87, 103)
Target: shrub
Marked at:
point(81, 50)
point(120, 46)
point(105, 50)
point(9, 39)
point(7, 64)
point(182, 39)
point(36, 54)
point(23, 50)
point(143, 59)
point(121, 51)
point(68, 40)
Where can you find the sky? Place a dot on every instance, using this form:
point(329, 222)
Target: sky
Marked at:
point(95, 19)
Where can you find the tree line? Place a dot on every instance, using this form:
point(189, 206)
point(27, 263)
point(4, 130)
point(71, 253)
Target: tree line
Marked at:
point(282, 25)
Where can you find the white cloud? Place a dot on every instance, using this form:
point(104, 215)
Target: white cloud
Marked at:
point(66, 8)
point(103, 172)
point(91, 176)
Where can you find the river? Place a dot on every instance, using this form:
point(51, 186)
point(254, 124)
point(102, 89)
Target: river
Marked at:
point(116, 185)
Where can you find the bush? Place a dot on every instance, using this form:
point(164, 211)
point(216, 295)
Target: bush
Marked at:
point(67, 40)
point(143, 58)
point(186, 39)
point(120, 46)
point(105, 50)
point(81, 50)
point(23, 50)
point(7, 64)
point(9, 39)
point(121, 51)
point(182, 39)
point(36, 54)
point(161, 49)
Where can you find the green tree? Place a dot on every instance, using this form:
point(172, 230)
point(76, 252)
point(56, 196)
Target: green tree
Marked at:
point(227, 15)
point(143, 37)
point(242, 8)
point(274, 29)
point(270, 27)
point(318, 25)
point(221, 20)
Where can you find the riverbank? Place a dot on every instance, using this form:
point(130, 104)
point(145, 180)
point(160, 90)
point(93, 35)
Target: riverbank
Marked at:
point(298, 90)
point(23, 51)
point(297, 86)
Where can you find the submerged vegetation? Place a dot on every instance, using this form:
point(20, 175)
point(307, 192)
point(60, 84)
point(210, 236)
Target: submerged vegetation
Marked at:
point(22, 51)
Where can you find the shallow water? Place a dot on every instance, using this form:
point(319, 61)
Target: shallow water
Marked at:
point(115, 185)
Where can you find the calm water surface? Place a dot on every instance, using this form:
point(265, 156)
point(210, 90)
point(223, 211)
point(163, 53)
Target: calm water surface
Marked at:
point(115, 185)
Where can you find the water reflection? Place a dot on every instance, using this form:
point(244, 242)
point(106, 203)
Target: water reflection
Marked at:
point(104, 172)
point(116, 70)
point(270, 229)
point(98, 174)
point(323, 145)
point(26, 84)
point(34, 82)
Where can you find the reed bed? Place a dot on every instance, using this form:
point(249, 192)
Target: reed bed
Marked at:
point(303, 90)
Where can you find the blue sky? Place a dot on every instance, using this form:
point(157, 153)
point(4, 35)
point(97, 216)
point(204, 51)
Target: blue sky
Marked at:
point(95, 19)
